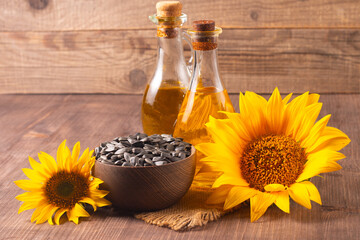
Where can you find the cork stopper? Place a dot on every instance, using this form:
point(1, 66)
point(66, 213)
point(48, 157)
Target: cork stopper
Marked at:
point(204, 25)
point(204, 35)
point(168, 8)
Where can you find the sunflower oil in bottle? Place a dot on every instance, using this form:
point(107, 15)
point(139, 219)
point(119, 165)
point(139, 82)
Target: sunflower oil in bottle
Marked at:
point(159, 112)
point(206, 95)
point(165, 92)
point(193, 115)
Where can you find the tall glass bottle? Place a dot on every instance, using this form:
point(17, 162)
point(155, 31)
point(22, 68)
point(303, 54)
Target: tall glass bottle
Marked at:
point(165, 92)
point(206, 95)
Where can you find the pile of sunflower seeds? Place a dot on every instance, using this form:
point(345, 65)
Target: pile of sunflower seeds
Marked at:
point(143, 150)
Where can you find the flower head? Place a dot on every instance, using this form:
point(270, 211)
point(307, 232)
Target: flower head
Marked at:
point(62, 186)
point(269, 151)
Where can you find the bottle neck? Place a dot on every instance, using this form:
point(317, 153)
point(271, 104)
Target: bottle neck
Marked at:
point(205, 72)
point(171, 48)
point(170, 59)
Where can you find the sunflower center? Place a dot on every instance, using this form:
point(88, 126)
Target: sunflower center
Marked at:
point(65, 189)
point(272, 159)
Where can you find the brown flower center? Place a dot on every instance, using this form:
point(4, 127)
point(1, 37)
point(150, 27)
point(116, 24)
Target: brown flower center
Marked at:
point(272, 159)
point(65, 189)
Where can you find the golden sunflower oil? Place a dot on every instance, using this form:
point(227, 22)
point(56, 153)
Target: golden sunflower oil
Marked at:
point(160, 110)
point(195, 112)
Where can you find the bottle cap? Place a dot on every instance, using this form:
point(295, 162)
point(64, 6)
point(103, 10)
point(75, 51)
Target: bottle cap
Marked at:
point(204, 25)
point(168, 8)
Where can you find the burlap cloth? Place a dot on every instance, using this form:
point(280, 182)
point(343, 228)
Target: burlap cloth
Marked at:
point(188, 213)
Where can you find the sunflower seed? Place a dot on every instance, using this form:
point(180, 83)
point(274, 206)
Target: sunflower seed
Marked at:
point(148, 161)
point(134, 160)
point(121, 150)
point(159, 163)
point(127, 156)
point(165, 155)
point(118, 162)
point(126, 164)
point(182, 155)
point(155, 159)
point(142, 150)
point(136, 150)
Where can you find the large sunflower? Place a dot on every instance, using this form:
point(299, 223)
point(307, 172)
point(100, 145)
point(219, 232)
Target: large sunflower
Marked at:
point(269, 151)
point(61, 187)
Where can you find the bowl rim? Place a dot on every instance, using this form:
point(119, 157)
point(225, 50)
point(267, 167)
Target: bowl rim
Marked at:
point(193, 151)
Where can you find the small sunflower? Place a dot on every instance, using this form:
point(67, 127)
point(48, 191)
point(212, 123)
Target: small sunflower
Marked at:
point(269, 151)
point(61, 187)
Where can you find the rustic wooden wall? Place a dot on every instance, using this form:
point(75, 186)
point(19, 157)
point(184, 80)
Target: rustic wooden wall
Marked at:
point(109, 46)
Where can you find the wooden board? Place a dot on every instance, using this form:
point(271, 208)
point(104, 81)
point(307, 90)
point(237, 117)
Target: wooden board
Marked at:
point(50, 15)
point(297, 60)
point(33, 123)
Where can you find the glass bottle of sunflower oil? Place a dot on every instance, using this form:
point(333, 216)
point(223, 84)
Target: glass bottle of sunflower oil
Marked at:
point(206, 94)
point(165, 92)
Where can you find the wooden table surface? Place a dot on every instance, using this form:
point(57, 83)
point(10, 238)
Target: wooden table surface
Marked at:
point(33, 123)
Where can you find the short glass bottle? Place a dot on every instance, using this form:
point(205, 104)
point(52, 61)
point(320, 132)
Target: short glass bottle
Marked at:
point(165, 92)
point(206, 95)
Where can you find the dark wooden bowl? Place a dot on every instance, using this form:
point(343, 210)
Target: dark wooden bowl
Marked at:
point(146, 188)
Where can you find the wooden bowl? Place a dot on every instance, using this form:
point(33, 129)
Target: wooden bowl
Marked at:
point(148, 188)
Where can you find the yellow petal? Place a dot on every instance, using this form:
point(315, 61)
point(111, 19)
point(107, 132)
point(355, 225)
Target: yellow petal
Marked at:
point(313, 98)
point(223, 134)
point(75, 151)
point(307, 122)
point(239, 126)
point(315, 133)
point(253, 118)
point(313, 192)
point(37, 212)
point(101, 202)
point(230, 180)
point(48, 162)
point(61, 156)
point(331, 138)
point(294, 113)
point(274, 187)
point(238, 195)
point(223, 164)
point(88, 165)
point(76, 212)
point(29, 185)
point(209, 149)
point(320, 162)
point(50, 215)
point(84, 158)
point(219, 195)
point(69, 162)
point(27, 206)
point(98, 193)
point(299, 193)
point(30, 196)
point(287, 98)
point(35, 165)
point(58, 215)
point(205, 180)
point(95, 183)
point(282, 201)
point(45, 214)
point(89, 201)
point(34, 175)
point(275, 110)
point(260, 203)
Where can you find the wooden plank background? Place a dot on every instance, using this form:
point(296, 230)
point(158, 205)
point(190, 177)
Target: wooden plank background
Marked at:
point(109, 46)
